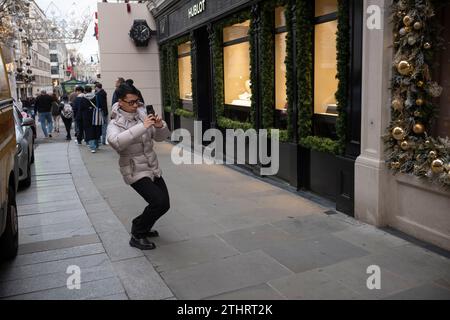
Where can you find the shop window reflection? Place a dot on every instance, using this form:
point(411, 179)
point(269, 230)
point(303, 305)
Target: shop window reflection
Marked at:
point(236, 53)
point(325, 68)
point(185, 71)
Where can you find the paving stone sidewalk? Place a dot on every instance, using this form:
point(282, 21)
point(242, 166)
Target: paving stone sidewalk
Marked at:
point(227, 236)
point(63, 222)
point(232, 236)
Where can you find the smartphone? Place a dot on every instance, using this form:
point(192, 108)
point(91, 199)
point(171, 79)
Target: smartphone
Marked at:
point(150, 110)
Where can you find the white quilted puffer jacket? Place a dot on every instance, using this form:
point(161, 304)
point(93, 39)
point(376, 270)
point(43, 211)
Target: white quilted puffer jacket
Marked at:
point(134, 143)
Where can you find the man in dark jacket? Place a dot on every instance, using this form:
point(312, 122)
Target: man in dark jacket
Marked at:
point(101, 101)
point(86, 107)
point(79, 132)
point(115, 99)
point(43, 106)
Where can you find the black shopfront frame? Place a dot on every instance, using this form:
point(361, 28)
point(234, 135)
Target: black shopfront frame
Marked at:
point(325, 174)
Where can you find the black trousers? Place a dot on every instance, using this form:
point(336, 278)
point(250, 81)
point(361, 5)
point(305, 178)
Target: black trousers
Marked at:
point(68, 125)
point(157, 196)
point(80, 132)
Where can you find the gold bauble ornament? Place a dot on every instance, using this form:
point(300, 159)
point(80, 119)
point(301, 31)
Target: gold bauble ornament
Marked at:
point(418, 25)
point(398, 133)
point(404, 68)
point(420, 84)
point(432, 155)
point(417, 114)
point(427, 45)
point(408, 29)
point(397, 105)
point(437, 166)
point(420, 102)
point(395, 165)
point(407, 20)
point(419, 128)
point(404, 145)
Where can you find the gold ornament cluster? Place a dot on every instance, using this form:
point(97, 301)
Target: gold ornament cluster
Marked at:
point(413, 95)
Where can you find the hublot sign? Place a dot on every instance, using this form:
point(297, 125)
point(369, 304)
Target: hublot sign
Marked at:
point(197, 9)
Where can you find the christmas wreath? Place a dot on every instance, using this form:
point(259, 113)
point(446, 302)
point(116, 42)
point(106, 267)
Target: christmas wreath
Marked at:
point(410, 147)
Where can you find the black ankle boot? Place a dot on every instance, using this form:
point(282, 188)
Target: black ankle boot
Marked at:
point(142, 243)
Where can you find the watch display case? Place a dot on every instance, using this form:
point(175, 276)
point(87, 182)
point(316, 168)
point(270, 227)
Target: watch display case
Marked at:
point(185, 71)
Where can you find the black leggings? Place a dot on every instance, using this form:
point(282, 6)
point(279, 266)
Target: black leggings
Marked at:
point(157, 196)
point(68, 125)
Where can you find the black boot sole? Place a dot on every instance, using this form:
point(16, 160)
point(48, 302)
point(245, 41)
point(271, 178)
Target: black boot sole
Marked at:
point(141, 247)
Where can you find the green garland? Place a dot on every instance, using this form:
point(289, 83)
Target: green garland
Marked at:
point(194, 84)
point(290, 73)
point(304, 64)
point(410, 149)
point(184, 113)
point(343, 72)
point(164, 78)
point(267, 64)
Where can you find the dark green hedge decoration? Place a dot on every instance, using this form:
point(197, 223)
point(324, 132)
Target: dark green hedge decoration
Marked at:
point(194, 78)
point(290, 73)
point(227, 123)
point(305, 30)
point(219, 95)
point(184, 113)
point(304, 64)
point(343, 71)
point(267, 67)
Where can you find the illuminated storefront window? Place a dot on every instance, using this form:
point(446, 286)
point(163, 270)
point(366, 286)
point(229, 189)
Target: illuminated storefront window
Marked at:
point(185, 71)
point(236, 54)
point(280, 57)
point(325, 63)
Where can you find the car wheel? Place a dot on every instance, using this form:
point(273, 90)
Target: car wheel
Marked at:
point(9, 241)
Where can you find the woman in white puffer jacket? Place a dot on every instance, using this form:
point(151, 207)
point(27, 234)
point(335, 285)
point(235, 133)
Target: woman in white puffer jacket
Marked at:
point(131, 133)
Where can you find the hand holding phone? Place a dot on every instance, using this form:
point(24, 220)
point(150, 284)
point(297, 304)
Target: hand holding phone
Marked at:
point(150, 110)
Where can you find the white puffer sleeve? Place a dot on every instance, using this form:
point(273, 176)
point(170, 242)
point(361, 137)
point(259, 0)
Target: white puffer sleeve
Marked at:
point(118, 140)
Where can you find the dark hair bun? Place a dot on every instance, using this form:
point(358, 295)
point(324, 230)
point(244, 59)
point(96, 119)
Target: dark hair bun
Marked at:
point(125, 89)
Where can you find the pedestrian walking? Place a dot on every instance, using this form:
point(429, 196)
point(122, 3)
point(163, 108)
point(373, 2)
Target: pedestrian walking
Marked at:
point(73, 96)
point(91, 119)
point(79, 133)
point(131, 133)
point(67, 117)
point(102, 104)
point(43, 106)
point(56, 112)
point(119, 82)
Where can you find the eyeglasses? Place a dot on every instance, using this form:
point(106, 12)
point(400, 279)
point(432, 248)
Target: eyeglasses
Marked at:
point(132, 103)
